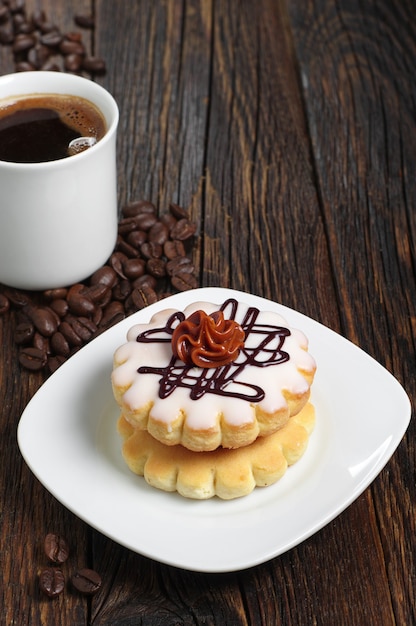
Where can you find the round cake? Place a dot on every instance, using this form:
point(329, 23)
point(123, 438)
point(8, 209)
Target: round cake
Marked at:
point(212, 375)
point(224, 473)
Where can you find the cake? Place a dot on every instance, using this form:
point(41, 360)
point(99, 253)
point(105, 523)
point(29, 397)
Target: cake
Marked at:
point(212, 375)
point(224, 473)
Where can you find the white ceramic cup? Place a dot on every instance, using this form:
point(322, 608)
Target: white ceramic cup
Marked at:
point(58, 219)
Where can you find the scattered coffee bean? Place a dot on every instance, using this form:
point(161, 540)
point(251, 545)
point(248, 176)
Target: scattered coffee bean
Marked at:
point(56, 548)
point(29, 35)
point(86, 581)
point(184, 229)
point(184, 282)
point(52, 39)
point(84, 21)
point(51, 581)
point(180, 265)
point(60, 345)
point(174, 249)
point(43, 318)
point(4, 304)
point(158, 233)
point(79, 303)
point(94, 65)
point(151, 250)
point(24, 333)
point(104, 276)
point(41, 343)
point(146, 262)
point(156, 268)
point(32, 359)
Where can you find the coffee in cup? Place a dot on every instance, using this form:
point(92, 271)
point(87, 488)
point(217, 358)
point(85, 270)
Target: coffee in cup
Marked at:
point(35, 128)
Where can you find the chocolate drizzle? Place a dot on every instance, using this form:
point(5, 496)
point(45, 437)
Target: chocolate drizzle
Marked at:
point(266, 351)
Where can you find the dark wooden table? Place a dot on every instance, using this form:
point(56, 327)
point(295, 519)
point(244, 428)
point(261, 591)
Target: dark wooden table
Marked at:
point(288, 130)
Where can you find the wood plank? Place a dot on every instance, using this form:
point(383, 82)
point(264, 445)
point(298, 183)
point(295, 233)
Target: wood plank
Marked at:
point(356, 64)
point(28, 511)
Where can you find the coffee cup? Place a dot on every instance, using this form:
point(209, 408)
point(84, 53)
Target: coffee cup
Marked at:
point(58, 218)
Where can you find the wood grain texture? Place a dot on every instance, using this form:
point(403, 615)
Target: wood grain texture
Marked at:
point(356, 65)
point(288, 130)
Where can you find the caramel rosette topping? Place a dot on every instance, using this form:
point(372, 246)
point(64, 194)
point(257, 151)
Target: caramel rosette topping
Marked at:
point(207, 340)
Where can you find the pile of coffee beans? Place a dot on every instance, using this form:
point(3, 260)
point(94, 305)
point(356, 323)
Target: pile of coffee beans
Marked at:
point(52, 578)
point(149, 262)
point(38, 44)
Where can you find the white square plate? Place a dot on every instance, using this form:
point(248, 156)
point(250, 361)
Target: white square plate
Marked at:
point(67, 435)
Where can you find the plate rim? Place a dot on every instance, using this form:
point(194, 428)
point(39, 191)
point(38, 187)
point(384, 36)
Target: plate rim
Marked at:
point(212, 294)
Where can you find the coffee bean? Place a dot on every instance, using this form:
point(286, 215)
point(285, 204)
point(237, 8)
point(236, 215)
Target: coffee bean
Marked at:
point(60, 307)
point(16, 297)
point(51, 581)
point(84, 21)
point(98, 293)
point(151, 250)
point(178, 211)
point(86, 581)
point(70, 335)
point(47, 27)
point(38, 17)
point(41, 343)
point(145, 220)
point(95, 65)
point(180, 265)
point(106, 275)
point(140, 298)
point(145, 281)
point(4, 304)
point(73, 62)
point(38, 55)
point(24, 34)
point(50, 66)
point(133, 268)
point(24, 66)
point(138, 207)
point(43, 318)
point(54, 294)
point(98, 314)
point(159, 233)
point(32, 359)
point(127, 249)
point(23, 42)
point(54, 362)
point(59, 344)
point(113, 313)
point(184, 281)
point(169, 221)
point(142, 221)
point(4, 13)
point(56, 548)
point(83, 327)
point(156, 268)
point(137, 238)
point(173, 249)
point(70, 46)
point(24, 333)
point(52, 39)
point(136, 275)
point(16, 6)
point(6, 34)
point(183, 230)
point(117, 260)
point(79, 303)
point(122, 290)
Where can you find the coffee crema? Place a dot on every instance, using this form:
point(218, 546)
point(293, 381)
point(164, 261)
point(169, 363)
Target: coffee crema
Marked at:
point(36, 128)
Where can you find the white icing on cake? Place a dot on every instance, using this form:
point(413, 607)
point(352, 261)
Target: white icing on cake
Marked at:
point(204, 412)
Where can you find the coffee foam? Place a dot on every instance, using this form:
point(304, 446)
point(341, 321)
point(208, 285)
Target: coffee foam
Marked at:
point(76, 112)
